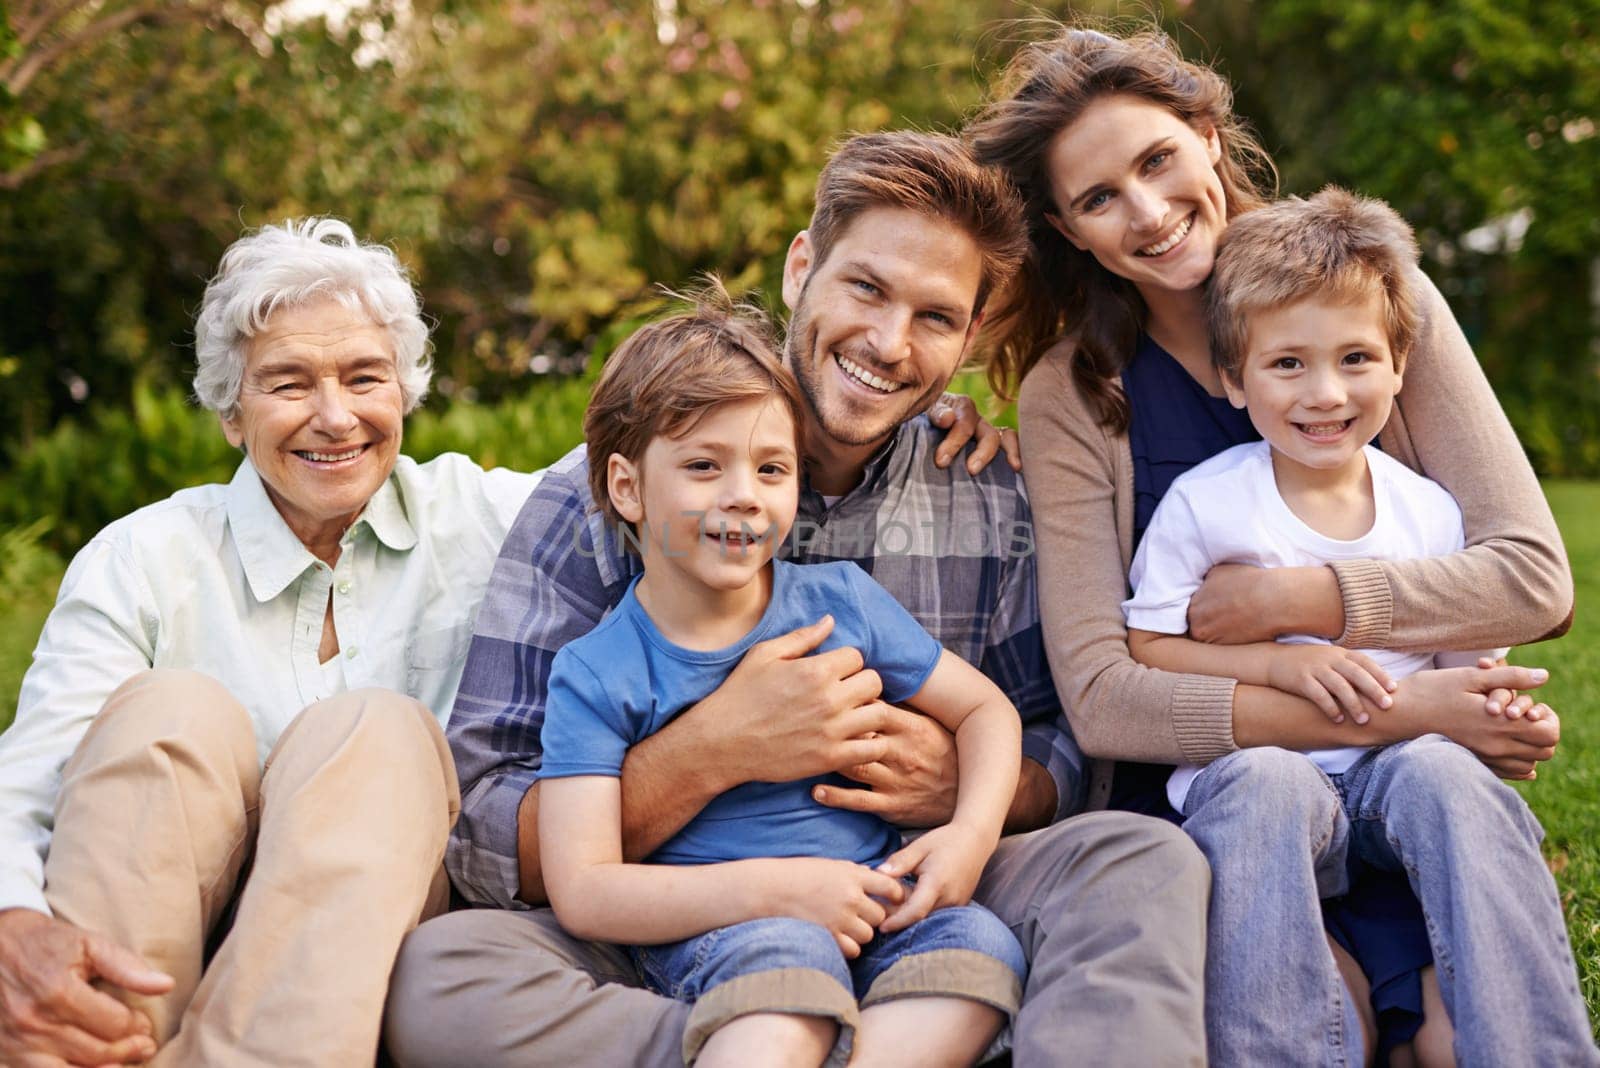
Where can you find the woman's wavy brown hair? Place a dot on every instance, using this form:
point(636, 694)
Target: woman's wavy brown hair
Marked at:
point(1061, 290)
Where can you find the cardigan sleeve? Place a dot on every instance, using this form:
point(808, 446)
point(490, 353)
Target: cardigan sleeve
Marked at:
point(1512, 583)
point(1118, 708)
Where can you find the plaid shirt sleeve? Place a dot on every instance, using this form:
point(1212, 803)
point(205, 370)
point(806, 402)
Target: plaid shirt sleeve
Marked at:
point(1014, 658)
point(549, 586)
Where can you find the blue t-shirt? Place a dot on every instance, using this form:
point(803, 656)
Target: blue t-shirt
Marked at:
point(623, 681)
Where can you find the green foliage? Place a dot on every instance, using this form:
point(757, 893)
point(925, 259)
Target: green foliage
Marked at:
point(29, 575)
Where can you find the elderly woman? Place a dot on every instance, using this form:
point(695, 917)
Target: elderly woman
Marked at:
point(226, 794)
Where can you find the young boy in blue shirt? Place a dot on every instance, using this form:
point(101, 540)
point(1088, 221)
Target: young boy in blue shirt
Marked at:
point(776, 915)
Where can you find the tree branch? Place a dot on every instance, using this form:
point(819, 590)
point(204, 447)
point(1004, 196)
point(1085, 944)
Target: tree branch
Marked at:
point(13, 179)
point(17, 81)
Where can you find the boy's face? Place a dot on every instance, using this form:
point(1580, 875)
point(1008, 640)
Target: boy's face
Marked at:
point(712, 505)
point(1318, 379)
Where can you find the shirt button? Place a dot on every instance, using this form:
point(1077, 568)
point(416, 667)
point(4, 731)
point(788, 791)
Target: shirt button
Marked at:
point(350, 653)
point(344, 587)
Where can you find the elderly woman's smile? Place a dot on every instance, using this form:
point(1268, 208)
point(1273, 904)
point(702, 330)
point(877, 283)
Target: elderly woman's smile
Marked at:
point(319, 414)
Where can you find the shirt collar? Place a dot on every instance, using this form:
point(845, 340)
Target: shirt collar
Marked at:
point(880, 464)
point(273, 557)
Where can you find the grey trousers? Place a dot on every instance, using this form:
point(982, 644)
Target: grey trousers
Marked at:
point(1110, 908)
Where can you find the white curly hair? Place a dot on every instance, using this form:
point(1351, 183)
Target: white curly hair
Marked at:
point(284, 266)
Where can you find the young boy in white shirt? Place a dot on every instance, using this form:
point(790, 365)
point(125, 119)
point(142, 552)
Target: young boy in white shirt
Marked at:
point(773, 913)
point(1311, 314)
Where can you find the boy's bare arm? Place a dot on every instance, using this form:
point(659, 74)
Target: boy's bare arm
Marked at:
point(599, 896)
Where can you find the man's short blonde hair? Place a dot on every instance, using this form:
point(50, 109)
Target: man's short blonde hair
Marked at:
point(1336, 246)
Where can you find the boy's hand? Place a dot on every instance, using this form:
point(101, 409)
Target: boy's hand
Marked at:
point(845, 897)
point(1341, 682)
point(1450, 701)
point(947, 862)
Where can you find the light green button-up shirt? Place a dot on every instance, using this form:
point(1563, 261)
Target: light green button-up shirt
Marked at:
point(213, 580)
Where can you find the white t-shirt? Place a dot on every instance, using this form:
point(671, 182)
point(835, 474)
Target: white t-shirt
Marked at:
point(1228, 510)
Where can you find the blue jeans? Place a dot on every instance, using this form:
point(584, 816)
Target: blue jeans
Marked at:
point(1277, 833)
point(794, 966)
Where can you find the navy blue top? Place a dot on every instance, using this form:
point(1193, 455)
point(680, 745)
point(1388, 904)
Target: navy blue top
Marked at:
point(1176, 424)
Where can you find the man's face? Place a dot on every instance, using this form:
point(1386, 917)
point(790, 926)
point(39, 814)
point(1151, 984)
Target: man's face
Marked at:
point(882, 323)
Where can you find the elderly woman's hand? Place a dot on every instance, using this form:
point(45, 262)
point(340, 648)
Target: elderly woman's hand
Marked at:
point(49, 1012)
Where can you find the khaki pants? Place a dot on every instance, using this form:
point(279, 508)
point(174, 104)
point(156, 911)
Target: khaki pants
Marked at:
point(163, 807)
point(1109, 907)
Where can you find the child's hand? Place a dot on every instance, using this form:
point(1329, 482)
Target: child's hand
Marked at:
point(1508, 703)
point(845, 897)
point(947, 862)
point(1339, 681)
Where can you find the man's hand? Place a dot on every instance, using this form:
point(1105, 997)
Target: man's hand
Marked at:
point(947, 861)
point(50, 1015)
point(959, 416)
point(1341, 682)
point(913, 783)
point(783, 715)
point(845, 897)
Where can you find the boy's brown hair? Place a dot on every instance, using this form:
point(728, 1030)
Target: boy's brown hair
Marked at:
point(1336, 246)
point(934, 175)
point(669, 373)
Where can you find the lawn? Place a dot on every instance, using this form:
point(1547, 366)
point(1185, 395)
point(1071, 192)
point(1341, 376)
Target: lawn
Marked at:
point(1564, 796)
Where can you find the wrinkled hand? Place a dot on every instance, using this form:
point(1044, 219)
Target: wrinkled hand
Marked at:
point(846, 898)
point(50, 1015)
point(1452, 700)
point(782, 715)
point(947, 862)
point(1341, 682)
point(913, 783)
point(959, 415)
point(1235, 605)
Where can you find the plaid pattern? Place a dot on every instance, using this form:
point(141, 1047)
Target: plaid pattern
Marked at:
point(955, 550)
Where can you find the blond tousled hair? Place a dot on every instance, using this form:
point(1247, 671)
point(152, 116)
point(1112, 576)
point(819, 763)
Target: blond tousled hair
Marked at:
point(1335, 246)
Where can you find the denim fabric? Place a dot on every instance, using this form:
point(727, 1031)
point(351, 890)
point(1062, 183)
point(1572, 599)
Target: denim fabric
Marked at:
point(1277, 832)
point(688, 969)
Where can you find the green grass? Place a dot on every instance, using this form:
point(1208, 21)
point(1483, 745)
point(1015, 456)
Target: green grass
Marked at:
point(1563, 796)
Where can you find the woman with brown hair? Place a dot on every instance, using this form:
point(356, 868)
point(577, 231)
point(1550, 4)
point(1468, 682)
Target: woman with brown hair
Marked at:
point(1131, 164)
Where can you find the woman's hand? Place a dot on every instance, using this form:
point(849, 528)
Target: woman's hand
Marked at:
point(1451, 701)
point(1341, 682)
point(947, 862)
point(959, 416)
point(1238, 604)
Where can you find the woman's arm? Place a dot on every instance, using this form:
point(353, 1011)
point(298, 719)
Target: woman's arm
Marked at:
point(1078, 481)
point(1510, 585)
point(597, 896)
point(1080, 484)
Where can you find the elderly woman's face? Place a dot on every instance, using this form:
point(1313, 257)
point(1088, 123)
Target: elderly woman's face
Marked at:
point(319, 415)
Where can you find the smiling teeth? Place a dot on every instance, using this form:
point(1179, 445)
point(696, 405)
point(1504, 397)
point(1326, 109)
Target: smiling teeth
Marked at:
point(1324, 429)
point(1177, 235)
point(332, 457)
point(861, 374)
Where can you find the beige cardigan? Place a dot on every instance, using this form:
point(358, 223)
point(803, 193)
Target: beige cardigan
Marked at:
point(1510, 585)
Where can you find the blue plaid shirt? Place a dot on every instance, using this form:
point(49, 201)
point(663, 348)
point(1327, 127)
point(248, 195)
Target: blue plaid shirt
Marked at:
point(956, 550)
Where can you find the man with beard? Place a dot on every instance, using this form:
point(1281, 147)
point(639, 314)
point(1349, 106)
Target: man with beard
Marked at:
point(908, 240)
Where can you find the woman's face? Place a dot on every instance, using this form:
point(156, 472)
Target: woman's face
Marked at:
point(319, 415)
point(1136, 187)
